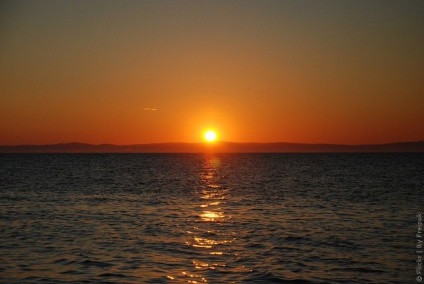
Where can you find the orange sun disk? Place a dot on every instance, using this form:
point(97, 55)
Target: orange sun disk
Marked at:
point(210, 136)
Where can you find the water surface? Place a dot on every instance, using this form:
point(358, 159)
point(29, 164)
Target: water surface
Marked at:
point(224, 218)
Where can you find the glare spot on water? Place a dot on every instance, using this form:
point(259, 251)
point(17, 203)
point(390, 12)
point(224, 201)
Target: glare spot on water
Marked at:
point(192, 275)
point(200, 264)
point(210, 216)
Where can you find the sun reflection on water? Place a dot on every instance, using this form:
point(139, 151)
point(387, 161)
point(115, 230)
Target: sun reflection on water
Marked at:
point(208, 237)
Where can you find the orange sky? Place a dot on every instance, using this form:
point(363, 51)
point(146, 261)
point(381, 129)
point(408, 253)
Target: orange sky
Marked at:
point(256, 71)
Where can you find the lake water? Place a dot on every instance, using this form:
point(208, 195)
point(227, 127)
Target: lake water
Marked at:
point(205, 218)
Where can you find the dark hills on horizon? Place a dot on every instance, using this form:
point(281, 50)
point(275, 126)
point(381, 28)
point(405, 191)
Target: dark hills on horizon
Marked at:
point(218, 147)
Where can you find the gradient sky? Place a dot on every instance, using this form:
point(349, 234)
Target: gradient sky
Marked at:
point(256, 71)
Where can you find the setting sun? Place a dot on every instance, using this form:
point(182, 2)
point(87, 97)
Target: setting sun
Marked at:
point(210, 135)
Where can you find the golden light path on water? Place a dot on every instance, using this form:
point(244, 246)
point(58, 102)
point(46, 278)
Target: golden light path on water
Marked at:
point(209, 234)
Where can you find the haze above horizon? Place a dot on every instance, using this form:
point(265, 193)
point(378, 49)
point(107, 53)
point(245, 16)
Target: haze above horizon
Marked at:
point(136, 72)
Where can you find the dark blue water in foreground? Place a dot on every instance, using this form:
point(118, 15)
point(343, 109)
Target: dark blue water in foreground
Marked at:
point(229, 218)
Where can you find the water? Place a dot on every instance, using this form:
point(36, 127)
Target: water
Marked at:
point(229, 218)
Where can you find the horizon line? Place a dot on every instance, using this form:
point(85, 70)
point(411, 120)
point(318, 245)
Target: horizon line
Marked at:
point(212, 143)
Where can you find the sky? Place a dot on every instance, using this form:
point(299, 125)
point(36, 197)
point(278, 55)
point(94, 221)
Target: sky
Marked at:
point(130, 72)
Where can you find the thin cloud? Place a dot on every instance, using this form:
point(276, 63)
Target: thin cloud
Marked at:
point(149, 108)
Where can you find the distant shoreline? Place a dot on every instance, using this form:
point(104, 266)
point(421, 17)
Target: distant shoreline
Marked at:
point(218, 147)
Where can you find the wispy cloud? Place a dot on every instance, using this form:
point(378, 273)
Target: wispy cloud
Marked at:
point(149, 108)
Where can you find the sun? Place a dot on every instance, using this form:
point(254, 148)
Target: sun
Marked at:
point(210, 136)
